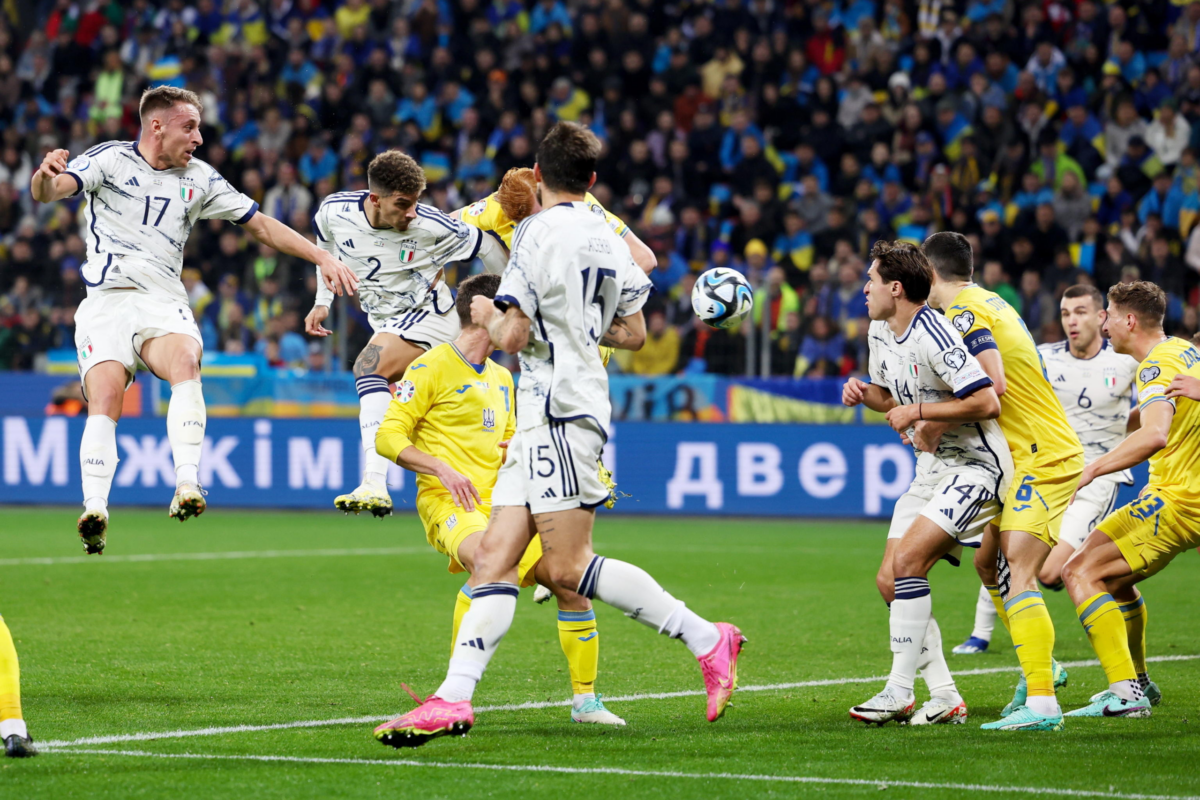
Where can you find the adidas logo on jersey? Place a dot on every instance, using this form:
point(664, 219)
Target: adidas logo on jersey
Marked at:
point(948, 513)
point(349, 243)
point(476, 643)
point(1061, 379)
point(132, 182)
point(549, 494)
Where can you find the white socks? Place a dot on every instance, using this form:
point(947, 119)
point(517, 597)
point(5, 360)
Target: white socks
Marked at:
point(484, 625)
point(578, 700)
point(1046, 705)
point(373, 399)
point(985, 616)
point(98, 461)
point(186, 421)
point(933, 666)
point(633, 591)
point(911, 611)
point(9, 727)
point(1127, 690)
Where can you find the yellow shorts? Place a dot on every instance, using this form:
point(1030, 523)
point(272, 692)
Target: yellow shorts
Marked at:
point(1039, 496)
point(450, 526)
point(1150, 532)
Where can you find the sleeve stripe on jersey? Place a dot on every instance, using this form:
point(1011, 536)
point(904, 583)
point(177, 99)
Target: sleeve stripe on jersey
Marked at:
point(980, 340)
point(78, 181)
point(939, 335)
point(439, 218)
point(495, 236)
point(246, 217)
point(317, 229)
point(522, 226)
point(982, 383)
point(478, 244)
point(503, 301)
point(1157, 398)
point(100, 148)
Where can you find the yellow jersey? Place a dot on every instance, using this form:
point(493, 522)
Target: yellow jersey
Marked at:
point(487, 215)
point(1031, 416)
point(1175, 469)
point(455, 411)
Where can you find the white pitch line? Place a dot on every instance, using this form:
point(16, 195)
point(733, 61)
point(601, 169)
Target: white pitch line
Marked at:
point(641, 773)
point(232, 555)
point(533, 705)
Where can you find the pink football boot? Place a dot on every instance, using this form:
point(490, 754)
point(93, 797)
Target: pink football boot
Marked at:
point(433, 717)
point(719, 668)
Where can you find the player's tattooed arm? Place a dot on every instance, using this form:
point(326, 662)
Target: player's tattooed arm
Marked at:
point(368, 361)
point(626, 333)
point(509, 331)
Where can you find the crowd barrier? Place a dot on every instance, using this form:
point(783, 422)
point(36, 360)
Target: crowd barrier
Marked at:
point(663, 468)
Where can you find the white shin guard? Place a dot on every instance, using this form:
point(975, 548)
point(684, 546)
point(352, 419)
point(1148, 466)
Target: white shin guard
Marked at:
point(186, 422)
point(98, 461)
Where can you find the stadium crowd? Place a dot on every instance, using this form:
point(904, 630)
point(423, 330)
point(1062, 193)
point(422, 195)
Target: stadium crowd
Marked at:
point(779, 137)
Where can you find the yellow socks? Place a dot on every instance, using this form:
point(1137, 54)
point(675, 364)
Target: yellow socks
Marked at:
point(581, 645)
point(10, 677)
point(998, 602)
point(1135, 629)
point(1105, 627)
point(1033, 637)
point(462, 604)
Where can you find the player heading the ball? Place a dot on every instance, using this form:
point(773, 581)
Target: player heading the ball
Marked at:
point(141, 200)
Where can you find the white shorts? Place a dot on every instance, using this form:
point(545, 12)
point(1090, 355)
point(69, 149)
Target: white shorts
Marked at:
point(553, 467)
point(1095, 502)
point(961, 504)
point(112, 325)
point(432, 324)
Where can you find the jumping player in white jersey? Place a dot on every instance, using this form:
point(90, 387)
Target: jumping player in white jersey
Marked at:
point(569, 286)
point(141, 200)
point(399, 249)
point(1095, 384)
point(920, 370)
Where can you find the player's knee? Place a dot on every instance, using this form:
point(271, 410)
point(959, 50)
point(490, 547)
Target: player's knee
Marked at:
point(1074, 571)
point(909, 564)
point(1051, 578)
point(886, 585)
point(106, 399)
point(185, 366)
point(565, 573)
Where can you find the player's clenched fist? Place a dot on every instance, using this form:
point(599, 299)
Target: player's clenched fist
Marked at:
point(313, 322)
point(853, 392)
point(55, 163)
point(482, 309)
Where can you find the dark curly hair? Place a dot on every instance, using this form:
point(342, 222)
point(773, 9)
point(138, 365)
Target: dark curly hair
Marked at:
point(394, 171)
point(904, 262)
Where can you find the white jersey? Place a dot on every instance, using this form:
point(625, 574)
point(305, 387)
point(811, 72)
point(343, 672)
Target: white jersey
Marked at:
point(1096, 393)
point(930, 364)
point(137, 218)
point(398, 270)
point(571, 275)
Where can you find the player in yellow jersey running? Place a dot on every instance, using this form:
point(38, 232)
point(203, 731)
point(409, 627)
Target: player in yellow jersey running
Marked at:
point(1047, 460)
point(450, 421)
point(1140, 539)
point(17, 741)
point(517, 198)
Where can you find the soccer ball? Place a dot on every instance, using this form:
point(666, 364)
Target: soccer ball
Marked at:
point(722, 298)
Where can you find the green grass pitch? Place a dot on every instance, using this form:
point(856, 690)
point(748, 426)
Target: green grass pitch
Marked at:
point(252, 635)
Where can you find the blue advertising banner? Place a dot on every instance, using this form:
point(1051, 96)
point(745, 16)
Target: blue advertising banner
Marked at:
point(664, 468)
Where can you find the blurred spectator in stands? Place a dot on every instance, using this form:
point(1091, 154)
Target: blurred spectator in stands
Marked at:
point(776, 295)
point(1036, 305)
point(822, 351)
point(660, 354)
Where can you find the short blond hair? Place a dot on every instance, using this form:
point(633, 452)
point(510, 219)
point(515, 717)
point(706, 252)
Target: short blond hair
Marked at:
point(1143, 299)
point(516, 194)
point(161, 98)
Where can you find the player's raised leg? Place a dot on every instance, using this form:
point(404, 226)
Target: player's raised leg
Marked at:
point(381, 362)
point(176, 358)
point(17, 741)
point(1091, 575)
point(105, 388)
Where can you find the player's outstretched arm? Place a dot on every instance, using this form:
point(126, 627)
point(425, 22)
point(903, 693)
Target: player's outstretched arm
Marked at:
point(979, 405)
point(338, 278)
point(1136, 447)
point(50, 182)
point(626, 333)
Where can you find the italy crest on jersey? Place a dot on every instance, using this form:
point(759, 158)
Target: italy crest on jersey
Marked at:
point(1110, 378)
point(914, 371)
